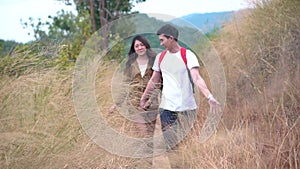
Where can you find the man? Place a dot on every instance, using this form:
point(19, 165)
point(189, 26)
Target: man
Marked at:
point(178, 105)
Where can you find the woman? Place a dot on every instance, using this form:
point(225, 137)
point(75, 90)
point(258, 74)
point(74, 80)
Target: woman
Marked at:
point(138, 71)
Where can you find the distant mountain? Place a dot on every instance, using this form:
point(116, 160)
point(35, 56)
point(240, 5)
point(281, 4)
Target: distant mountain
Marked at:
point(206, 22)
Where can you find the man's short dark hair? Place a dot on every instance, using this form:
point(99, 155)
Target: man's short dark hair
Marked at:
point(168, 30)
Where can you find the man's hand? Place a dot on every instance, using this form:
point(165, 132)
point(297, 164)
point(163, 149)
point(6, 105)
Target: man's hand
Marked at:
point(212, 101)
point(145, 104)
point(112, 108)
point(142, 103)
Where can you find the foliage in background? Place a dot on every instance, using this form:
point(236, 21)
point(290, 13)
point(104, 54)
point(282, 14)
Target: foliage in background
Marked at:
point(104, 11)
point(7, 47)
point(36, 56)
point(74, 30)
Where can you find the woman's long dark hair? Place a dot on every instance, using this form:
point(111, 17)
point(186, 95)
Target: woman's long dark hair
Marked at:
point(132, 54)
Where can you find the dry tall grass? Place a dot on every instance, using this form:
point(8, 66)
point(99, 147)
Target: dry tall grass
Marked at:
point(259, 129)
point(261, 54)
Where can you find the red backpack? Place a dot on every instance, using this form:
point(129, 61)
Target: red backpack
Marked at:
point(183, 56)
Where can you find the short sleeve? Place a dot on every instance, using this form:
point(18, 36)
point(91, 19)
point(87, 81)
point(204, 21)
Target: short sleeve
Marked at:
point(192, 60)
point(155, 66)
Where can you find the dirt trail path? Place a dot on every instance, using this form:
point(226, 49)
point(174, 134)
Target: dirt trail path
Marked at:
point(161, 161)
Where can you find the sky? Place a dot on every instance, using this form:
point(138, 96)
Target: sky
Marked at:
point(178, 8)
point(12, 11)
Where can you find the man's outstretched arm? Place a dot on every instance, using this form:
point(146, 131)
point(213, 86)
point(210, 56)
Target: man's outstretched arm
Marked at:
point(200, 83)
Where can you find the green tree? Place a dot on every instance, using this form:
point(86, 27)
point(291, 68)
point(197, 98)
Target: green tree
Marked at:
point(6, 47)
point(35, 28)
point(102, 12)
point(73, 30)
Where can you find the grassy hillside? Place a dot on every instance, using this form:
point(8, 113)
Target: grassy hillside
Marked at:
point(261, 55)
point(260, 128)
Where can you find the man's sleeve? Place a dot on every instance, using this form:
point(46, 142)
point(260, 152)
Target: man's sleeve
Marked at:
point(192, 60)
point(155, 66)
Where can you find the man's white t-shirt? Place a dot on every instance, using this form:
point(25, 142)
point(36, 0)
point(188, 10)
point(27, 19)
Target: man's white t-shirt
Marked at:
point(177, 93)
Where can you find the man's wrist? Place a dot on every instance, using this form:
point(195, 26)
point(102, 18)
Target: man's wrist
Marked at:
point(210, 96)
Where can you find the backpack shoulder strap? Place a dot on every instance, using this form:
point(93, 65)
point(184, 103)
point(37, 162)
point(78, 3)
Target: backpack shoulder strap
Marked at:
point(162, 55)
point(183, 55)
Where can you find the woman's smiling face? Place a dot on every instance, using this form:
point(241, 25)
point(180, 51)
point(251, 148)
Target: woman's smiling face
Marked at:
point(139, 47)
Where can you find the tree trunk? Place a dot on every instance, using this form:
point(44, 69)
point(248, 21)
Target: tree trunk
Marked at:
point(104, 26)
point(93, 15)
